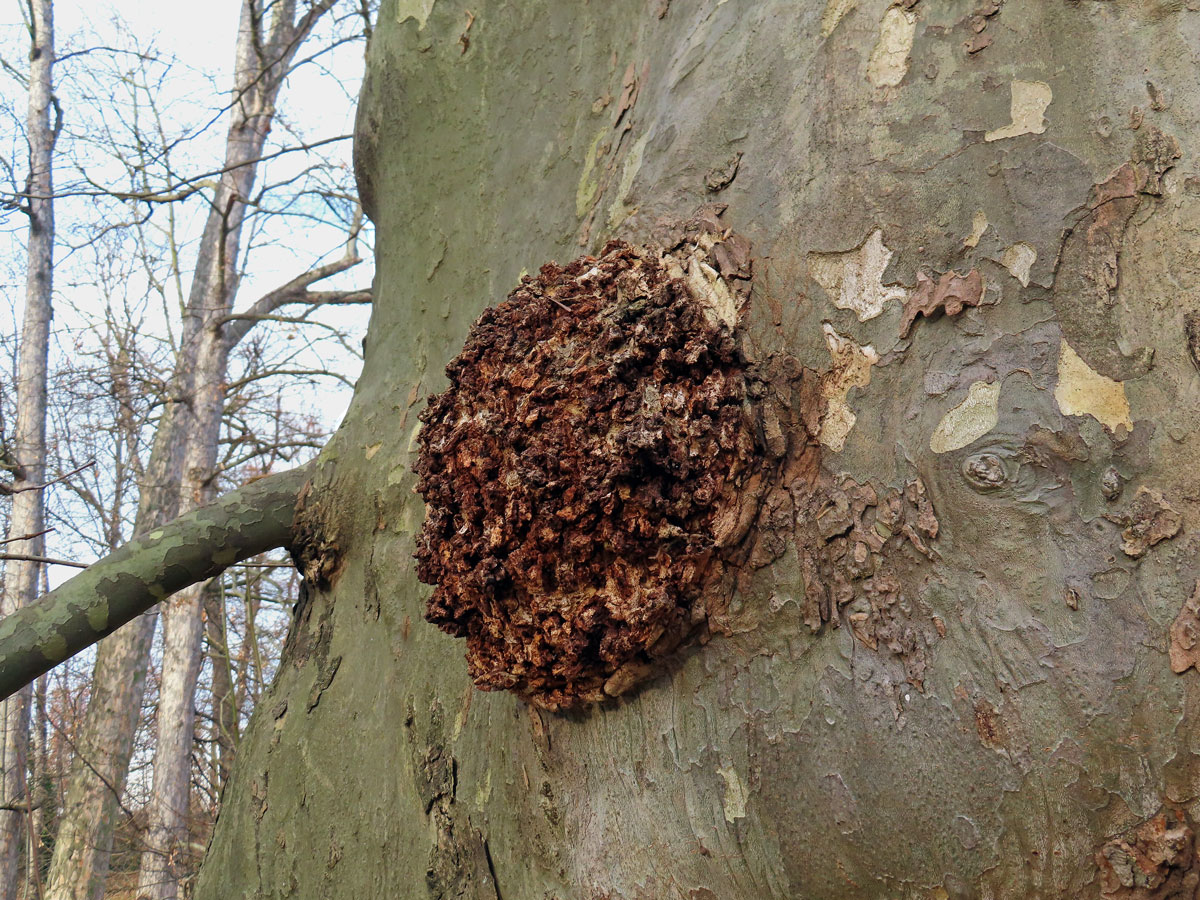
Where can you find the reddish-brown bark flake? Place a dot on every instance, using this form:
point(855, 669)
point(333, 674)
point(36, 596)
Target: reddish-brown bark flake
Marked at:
point(1155, 860)
point(950, 294)
point(595, 427)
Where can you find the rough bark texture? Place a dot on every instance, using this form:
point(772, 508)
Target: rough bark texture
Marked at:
point(945, 671)
point(28, 462)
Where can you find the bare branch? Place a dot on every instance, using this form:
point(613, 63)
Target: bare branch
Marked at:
point(48, 560)
point(147, 570)
point(9, 489)
point(238, 325)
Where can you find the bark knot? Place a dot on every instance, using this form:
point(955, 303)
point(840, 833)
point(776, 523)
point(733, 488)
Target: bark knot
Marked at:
point(575, 471)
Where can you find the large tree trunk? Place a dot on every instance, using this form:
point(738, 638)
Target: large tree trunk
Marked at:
point(28, 463)
point(957, 662)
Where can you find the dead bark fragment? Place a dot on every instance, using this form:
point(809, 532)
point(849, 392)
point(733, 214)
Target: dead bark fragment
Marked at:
point(720, 177)
point(1185, 635)
point(950, 294)
point(1156, 860)
point(1088, 271)
point(1149, 520)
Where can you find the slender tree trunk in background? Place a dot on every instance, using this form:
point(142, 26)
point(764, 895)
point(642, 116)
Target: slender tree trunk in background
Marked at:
point(29, 439)
point(266, 46)
point(224, 711)
point(1001, 706)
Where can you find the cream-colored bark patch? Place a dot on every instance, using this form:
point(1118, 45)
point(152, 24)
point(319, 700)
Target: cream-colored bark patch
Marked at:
point(889, 59)
point(1081, 391)
point(834, 10)
point(851, 368)
point(1029, 102)
point(720, 306)
point(414, 9)
point(1019, 259)
point(734, 802)
point(978, 226)
point(854, 279)
point(618, 212)
point(589, 179)
point(970, 420)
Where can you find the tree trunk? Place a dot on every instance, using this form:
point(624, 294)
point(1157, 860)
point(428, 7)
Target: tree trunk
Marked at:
point(27, 519)
point(224, 706)
point(959, 659)
point(266, 46)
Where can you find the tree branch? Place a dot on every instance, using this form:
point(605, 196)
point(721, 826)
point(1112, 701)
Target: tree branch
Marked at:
point(295, 291)
point(48, 560)
point(127, 582)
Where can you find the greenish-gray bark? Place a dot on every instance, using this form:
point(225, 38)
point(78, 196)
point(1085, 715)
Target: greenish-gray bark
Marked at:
point(144, 572)
point(989, 713)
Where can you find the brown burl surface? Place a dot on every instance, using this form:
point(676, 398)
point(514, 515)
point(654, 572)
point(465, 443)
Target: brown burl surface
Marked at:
point(595, 425)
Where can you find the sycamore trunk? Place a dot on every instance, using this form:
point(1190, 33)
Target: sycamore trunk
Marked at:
point(976, 225)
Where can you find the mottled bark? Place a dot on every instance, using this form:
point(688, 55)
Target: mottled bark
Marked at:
point(28, 451)
point(146, 571)
point(945, 671)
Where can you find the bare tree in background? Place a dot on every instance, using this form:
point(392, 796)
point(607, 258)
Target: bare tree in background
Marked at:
point(26, 456)
point(183, 463)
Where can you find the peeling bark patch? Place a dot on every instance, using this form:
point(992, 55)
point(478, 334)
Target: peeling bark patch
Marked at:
point(853, 279)
point(989, 726)
point(951, 294)
point(458, 867)
point(1149, 520)
point(889, 60)
point(834, 11)
point(858, 547)
point(1185, 635)
point(316, 546)
point(1083, 392)
point(1028, 108)
point(851, 368)
point(1088, 274)
point(1154, 861)
point(1019, 260)
point(974, 417)
point(574, 471)
point(1191, 332)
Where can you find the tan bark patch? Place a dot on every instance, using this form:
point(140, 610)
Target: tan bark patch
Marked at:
point(1019, 259)
point(978, 226)
point(1082, 392)
point(834, 10)
point(851, 368)
point(854, 278)
point(970, 420)
point(1029, 102)
point(889, 60)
